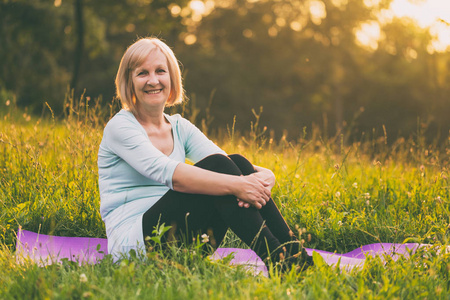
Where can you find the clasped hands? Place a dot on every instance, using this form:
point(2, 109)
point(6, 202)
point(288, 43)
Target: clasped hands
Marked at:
point(256, 188)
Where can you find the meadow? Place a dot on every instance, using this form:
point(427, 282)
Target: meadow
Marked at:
point(337, 194)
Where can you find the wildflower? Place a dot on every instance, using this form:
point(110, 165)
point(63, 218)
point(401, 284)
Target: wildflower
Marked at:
point(8, 102)
point(367, 195)
point(355, 185)
point(83, 277)
point(367, 202)
point(338, 194)
point(438, 199)
point(422, 168)
point(336, 166)
point(87, 294)
point(339, 223)
point(288, 291)
point(205, 238)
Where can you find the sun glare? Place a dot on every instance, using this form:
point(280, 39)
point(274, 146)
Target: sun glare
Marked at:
point(426, 13)
point(432, 14)
point(368, 34)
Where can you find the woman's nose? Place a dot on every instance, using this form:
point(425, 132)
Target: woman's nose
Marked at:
point(152, 80)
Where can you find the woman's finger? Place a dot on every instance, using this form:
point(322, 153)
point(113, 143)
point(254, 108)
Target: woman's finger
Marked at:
point(243, 204)
point(260, 180)
point(265, 194)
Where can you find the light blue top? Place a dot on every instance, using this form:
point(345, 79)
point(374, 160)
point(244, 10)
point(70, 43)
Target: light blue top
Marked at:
point(133, 174)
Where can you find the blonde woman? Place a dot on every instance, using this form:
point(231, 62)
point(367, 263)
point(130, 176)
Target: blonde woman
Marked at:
point(144, 180)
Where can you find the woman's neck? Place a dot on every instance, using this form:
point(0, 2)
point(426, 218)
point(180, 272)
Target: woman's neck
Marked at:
point(152, 119)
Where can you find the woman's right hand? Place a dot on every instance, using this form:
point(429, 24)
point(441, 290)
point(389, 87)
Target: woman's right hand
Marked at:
point(252, 191)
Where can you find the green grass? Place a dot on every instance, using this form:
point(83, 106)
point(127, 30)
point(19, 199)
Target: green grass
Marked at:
point(344, 195)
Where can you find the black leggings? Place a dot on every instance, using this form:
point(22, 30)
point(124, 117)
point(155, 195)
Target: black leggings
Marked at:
point(190, 215)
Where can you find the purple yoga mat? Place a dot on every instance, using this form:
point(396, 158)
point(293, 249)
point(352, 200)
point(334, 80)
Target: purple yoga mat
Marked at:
point(47, 249)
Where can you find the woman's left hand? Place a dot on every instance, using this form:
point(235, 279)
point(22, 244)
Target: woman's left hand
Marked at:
point(267, 176)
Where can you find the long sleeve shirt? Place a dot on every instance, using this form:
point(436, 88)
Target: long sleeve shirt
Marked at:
point(134, 175)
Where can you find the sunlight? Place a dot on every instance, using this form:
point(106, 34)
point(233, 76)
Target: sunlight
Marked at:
point(425, 13)
point(201, 8)
point(371, 3)
point(197, 6)
point(368, 34)
point(318, 11)
point(432, 14)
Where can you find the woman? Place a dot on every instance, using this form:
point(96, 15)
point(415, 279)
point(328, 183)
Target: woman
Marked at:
point(144, 180)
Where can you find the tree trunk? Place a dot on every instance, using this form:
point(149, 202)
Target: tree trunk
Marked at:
point(79, 47)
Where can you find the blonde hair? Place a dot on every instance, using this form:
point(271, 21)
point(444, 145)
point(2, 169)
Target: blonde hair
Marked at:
point(133, 57)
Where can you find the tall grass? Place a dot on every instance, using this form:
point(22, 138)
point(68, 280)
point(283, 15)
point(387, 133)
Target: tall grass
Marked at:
point(341, 195)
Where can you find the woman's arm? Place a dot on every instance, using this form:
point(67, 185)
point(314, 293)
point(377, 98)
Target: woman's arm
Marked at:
point(250, 189)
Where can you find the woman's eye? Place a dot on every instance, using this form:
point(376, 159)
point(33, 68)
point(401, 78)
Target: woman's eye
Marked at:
point(161, 71)
point(142, 73)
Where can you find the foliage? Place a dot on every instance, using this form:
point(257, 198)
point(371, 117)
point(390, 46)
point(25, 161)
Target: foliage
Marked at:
point(306, 69)
point(344, 196)
point(40, 44)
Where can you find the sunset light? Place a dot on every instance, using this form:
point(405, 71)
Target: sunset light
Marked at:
point(432, 14)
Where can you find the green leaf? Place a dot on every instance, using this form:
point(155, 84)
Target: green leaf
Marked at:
point(318, 260)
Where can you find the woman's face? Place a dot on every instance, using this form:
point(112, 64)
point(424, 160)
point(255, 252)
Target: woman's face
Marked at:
point(151, 82)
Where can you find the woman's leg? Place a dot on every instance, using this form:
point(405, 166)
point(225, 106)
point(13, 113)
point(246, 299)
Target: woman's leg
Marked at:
point(195, 213)
point(270, 212)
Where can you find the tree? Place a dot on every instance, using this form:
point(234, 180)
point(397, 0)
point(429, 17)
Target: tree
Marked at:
point(49, 46)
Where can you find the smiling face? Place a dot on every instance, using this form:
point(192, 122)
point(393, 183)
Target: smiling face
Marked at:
point(151, 82)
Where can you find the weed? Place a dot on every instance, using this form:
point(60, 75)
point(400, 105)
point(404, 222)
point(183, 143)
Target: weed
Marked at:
point(344, 195)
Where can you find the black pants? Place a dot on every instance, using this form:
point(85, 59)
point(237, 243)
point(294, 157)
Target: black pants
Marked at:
point(264, 230)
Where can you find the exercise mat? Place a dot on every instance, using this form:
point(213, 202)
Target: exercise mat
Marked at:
point(47, 249)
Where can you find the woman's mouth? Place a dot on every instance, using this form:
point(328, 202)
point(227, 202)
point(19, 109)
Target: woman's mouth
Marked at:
point(153, 91)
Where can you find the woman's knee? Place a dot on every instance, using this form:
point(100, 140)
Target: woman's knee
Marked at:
point(219, 163)
point(243, 163)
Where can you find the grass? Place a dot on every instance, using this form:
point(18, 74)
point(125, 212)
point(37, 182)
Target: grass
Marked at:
point(345, 195)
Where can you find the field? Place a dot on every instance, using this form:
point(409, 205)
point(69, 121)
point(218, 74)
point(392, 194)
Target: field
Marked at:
point(342, 194)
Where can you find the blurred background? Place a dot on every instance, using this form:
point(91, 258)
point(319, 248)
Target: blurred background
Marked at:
point(365, 68)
